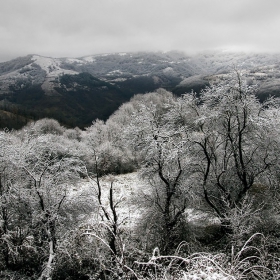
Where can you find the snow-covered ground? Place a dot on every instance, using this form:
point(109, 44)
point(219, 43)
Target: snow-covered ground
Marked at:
point(128, 194)
point(125, 188)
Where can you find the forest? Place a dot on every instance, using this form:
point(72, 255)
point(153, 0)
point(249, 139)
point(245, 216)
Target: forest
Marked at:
point(214, 154)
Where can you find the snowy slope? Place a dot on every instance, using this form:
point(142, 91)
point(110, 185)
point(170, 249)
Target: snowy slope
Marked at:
point(39, 70)
point(52, 66)
point(53, 70)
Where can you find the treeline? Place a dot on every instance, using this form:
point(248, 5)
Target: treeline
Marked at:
point(216, 152)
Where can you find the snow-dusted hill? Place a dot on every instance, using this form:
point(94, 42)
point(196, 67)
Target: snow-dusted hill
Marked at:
point(120, 67)
point(77, 90)
point(37, 70)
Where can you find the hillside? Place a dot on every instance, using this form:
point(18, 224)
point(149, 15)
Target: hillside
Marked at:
point(76, 91)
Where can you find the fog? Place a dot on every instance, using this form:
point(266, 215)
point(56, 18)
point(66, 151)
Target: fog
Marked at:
point(77, 28)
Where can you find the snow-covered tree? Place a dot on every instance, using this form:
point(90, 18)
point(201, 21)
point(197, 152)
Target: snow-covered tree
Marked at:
point(37, 172)
point(14, 208)
point(161, 153)
point(233, 142)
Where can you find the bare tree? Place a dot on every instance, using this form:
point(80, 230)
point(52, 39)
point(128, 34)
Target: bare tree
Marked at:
point(161, 152)
point(233, 143)
point(15, 210)
point(50, 171)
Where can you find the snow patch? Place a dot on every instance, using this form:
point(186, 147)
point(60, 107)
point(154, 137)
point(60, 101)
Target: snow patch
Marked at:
point(74, 60)
point(89, 59)
point(168, 69)
point(51, 66)
point(119, 80)
point(125, 187)
point(114, 72)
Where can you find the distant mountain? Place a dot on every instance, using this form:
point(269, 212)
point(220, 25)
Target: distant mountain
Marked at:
point(76, 91)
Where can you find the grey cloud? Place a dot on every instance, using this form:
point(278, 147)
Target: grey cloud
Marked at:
point(82, 27)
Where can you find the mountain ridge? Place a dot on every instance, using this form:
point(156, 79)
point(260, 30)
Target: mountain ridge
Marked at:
point(76, 91)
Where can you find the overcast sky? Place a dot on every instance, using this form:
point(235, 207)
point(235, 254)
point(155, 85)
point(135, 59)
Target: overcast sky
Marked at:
point(74, 28)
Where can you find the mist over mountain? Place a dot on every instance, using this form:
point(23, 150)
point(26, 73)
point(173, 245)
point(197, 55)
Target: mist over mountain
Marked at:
point(75, 91)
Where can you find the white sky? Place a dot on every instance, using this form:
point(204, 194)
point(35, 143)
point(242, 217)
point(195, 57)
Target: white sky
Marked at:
point(74, 28)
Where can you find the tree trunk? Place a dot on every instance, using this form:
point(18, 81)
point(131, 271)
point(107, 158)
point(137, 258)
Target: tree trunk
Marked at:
point(47, 271)
point(48, 268)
